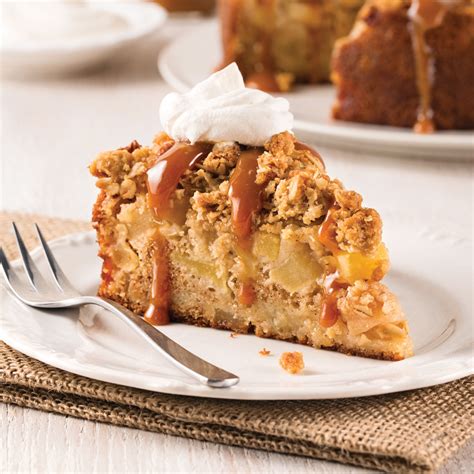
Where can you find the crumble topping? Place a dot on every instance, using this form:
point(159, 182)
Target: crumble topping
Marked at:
point(222, 159)
point(161, 143)
point(264, 352)
point(114, 167)
point(292, 362)
point(132, 146)
point(281, 144)
point(368, 304)
point(212, 209)
point(297, 189)
point(359, 231)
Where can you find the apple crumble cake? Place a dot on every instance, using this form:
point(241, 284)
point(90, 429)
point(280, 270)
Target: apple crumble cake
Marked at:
point(278, 42)
point(250, 238)
point(408, 63)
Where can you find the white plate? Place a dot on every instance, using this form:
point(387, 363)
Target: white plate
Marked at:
point(431, 277)
point(192, 57)
point(48, 57)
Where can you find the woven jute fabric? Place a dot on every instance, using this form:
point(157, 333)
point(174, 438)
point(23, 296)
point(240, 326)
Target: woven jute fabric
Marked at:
point(412, 431)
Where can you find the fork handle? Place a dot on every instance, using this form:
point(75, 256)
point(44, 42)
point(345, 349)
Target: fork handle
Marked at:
point(193, 365)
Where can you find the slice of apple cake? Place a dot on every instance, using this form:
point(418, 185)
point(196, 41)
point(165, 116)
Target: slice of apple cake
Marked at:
point(248, 238)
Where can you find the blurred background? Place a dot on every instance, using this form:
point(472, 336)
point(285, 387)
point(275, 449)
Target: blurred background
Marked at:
point(82, 77)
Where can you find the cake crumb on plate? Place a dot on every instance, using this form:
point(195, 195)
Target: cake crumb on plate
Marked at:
point(292, 362)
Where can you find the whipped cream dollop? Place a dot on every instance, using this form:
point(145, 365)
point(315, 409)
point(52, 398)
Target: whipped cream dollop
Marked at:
point(58, 20)
point(222, 109)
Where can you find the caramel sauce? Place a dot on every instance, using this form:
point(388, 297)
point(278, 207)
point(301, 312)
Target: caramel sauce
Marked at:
point(327, 231)
point(158, 309)
point(265, 81)
point(329, 310)
point(303, 146)
point(202, 6)
point(425, 15)
point(246, 295)
point(164, 176)
point(246, 197)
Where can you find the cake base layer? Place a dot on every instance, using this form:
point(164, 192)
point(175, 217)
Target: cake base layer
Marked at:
point(195, 304)
point(237, 328)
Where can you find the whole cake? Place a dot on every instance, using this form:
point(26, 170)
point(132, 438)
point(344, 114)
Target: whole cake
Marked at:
point(277, 42)
point(408, 64)
point(228, 221)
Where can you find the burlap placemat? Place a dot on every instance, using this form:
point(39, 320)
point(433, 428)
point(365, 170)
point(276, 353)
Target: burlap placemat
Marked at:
point(411, 431)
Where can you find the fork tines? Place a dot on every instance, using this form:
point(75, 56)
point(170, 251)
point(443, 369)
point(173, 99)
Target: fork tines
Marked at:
point(37, 286)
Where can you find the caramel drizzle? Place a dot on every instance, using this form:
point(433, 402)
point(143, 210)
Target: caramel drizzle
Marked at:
point(327, 231)
point(158, 308)
point(164, 176)
point(332, 283)
point(329, 309)
point(108, 269)
point(425, 15)
point(163, 179)
point(246, 197)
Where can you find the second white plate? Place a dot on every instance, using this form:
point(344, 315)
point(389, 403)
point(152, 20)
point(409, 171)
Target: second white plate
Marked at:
point(431, 277)
point(193, 56)
point(60, 56)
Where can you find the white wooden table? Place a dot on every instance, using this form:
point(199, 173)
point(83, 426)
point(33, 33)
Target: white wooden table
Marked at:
point(50, 131)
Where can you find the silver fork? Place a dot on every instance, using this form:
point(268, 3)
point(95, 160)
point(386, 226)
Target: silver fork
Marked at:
point(40, 293)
